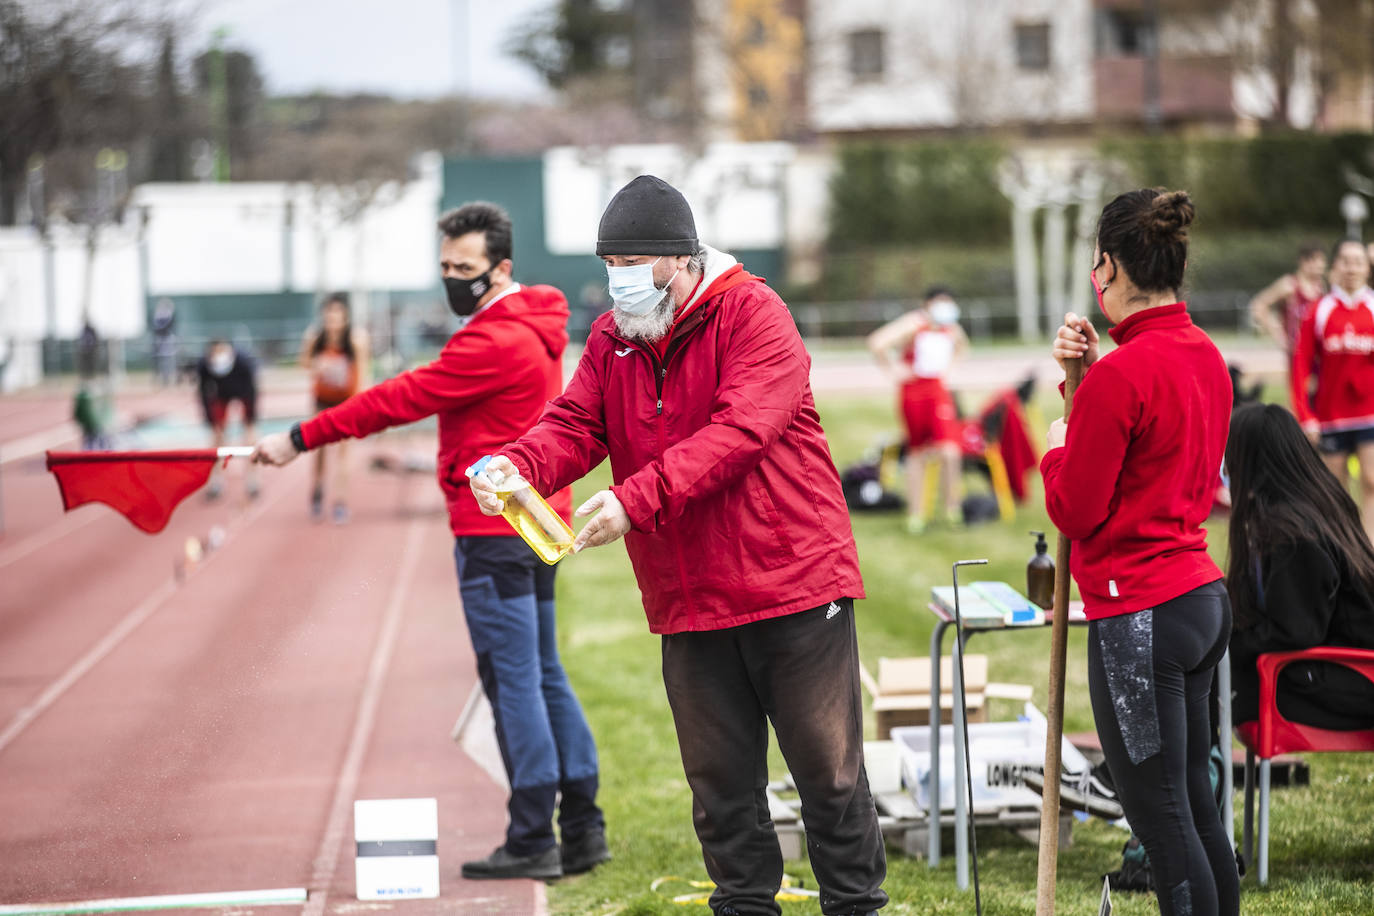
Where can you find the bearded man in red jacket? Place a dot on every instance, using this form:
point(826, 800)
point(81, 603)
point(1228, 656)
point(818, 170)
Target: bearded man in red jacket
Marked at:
point(696, 386)
point(489, 384)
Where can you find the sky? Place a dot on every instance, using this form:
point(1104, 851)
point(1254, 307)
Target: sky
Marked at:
point(406, 48)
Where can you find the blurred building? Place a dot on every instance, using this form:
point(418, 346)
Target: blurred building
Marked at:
point(1063, 66)
point(762, 202)
point(245, 261)
point(721, 70)
point(880, 67)
point(751, 63)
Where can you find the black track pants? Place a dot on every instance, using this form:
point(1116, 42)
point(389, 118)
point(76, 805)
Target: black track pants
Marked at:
point(801, 672)
point(1150, 678)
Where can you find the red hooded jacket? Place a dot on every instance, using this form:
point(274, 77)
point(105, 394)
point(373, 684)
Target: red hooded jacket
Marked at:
point(489, 384)
point(717, 454)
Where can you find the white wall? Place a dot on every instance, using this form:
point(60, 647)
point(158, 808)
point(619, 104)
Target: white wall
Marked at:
point(735, 190)
point(233, 238)
point(949, 63)
point(116, 304)
point(212, 238)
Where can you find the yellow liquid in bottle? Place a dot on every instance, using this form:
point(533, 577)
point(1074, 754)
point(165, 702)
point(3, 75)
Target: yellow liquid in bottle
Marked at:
point(535, 521)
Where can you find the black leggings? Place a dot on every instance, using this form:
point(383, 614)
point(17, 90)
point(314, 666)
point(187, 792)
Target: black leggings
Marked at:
point(1150, 678)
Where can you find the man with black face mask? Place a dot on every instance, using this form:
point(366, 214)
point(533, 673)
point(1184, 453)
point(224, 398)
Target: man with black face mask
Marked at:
point(488, 386)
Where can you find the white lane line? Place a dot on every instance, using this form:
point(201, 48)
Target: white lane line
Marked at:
point(24, 718)
point(277, 897)
point(27, 714)
point(36, 444)
point(345, 790)
point(38, 540)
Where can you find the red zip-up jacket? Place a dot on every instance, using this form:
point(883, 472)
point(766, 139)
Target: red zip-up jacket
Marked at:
point(1140, 465)
point(717, 454)
point(488, 385)
point(1336, 340)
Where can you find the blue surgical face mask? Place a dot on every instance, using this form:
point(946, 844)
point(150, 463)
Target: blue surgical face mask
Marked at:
point(633, 289)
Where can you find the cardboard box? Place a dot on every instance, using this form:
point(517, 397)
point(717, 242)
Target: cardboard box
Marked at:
point(901, 692)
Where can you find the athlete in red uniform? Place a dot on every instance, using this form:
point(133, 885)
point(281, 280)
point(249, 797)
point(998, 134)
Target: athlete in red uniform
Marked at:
point(929, 339)
point(1295, 294)
point(1336, 344)
point(336, 355)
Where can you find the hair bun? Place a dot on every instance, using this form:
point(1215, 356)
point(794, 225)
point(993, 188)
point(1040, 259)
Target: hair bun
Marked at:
point(1169, 216)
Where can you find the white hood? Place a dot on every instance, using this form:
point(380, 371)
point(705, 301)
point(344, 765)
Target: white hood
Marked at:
point(717, 263)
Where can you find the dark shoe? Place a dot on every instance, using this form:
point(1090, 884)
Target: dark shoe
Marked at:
point(501, 864)
point(585, 852)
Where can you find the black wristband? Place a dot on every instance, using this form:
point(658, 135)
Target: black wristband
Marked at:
point(297, 439)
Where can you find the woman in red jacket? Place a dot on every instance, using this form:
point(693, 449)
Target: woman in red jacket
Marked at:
point(1130, 480)
point(336, 355)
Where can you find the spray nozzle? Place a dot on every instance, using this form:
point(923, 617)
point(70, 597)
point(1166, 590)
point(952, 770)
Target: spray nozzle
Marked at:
point(480, 467)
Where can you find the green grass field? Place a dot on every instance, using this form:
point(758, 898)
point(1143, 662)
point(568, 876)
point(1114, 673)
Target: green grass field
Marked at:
point(1322, 836)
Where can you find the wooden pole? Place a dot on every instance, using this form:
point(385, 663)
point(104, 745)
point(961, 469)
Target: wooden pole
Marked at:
point(1054, 731)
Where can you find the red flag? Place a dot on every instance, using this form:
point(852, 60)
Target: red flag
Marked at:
point(142, 486)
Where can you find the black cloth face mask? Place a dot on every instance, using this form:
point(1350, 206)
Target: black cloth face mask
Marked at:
point(463, 294)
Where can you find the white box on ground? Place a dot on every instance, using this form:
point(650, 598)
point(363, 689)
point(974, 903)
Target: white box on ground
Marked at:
point(883, 761)
point(397, 848)
point(999, 752)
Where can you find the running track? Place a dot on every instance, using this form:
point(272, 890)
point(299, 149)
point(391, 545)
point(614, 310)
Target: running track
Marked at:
point(211, 734)
point(168, 737)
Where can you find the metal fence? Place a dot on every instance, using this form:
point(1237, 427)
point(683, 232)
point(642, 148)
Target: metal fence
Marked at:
point(412, 335)
point(991, 318)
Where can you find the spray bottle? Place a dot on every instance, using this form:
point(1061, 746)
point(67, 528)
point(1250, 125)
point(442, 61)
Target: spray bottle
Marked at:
point(531, 517)
point(1040, 574)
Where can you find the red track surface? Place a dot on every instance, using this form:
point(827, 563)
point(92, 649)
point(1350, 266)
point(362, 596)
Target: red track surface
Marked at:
point(165, 737)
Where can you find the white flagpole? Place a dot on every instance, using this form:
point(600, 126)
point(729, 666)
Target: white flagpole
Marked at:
point(235, 451)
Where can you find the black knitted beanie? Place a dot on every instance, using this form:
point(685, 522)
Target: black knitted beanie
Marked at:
point(647, 216)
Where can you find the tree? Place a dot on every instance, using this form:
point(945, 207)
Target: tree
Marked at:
point(1288, 43)
point(575, 39)
point(170, 159)
point(63, 83)
point(237, 121)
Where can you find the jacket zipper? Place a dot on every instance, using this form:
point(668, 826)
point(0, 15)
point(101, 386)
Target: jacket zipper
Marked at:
point(660, 369)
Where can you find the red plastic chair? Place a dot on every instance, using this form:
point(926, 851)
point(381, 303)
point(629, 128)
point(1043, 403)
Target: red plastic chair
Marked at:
point(1272, 734)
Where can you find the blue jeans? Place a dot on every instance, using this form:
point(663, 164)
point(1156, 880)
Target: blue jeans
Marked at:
point(545, 743)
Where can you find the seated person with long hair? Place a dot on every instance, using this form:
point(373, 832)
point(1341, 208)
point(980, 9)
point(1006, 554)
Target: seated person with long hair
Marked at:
point(1301, 573)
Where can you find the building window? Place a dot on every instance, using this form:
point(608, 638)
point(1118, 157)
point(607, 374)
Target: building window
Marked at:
point(1033, 46)
point(755, 33)
point(866, 63)
point(1124, 33)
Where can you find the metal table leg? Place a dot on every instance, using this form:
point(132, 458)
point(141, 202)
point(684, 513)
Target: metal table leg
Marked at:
point(962, 802)
point(1228, 789)
point(937, 637)
point(1264, 768)
point(1248, 844)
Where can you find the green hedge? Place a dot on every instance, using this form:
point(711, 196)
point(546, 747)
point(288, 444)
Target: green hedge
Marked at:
point(894, 193)
point(1271, 182)
point(886, 193)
